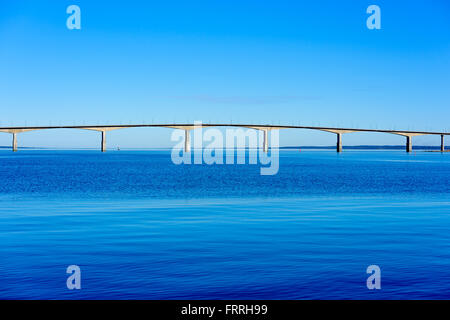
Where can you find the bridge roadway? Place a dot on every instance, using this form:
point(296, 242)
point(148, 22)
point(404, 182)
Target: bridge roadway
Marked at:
point(264, 127)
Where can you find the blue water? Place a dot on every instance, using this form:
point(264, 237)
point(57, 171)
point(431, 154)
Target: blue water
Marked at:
point(141, 227)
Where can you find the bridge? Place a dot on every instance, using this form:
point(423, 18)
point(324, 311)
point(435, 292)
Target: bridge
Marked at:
point(264, 128)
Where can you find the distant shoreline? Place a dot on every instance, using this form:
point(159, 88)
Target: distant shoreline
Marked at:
point(368, 147)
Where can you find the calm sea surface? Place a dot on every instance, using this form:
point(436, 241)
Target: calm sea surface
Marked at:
point(141, 227)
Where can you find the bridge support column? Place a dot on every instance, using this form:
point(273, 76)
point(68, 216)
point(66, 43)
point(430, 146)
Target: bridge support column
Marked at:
point(442, 143)
point(265, 141)
point(187, 140)
point(339, 142)
point(408, 144)
point(103, 141)
point(14, 142)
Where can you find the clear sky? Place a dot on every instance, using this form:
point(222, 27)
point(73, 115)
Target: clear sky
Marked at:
point(288, 62)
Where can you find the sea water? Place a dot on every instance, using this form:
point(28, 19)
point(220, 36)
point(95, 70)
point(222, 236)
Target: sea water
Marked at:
point(141, 227)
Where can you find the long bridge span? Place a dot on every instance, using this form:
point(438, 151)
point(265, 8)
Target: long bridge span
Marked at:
point(187, 127)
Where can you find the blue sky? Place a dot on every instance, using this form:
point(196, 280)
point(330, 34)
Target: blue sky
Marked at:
point(288, 62)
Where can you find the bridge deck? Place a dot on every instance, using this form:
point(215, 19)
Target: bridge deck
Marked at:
point(193, 125)
point(189, 126)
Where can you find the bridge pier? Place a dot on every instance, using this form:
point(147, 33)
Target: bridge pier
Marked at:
point(442, 143)
point(339, 142)
point(265, 141)
point(14, 141)
point(408, 144)
point(339, 133)
point(103, 141)
point(187, 140)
